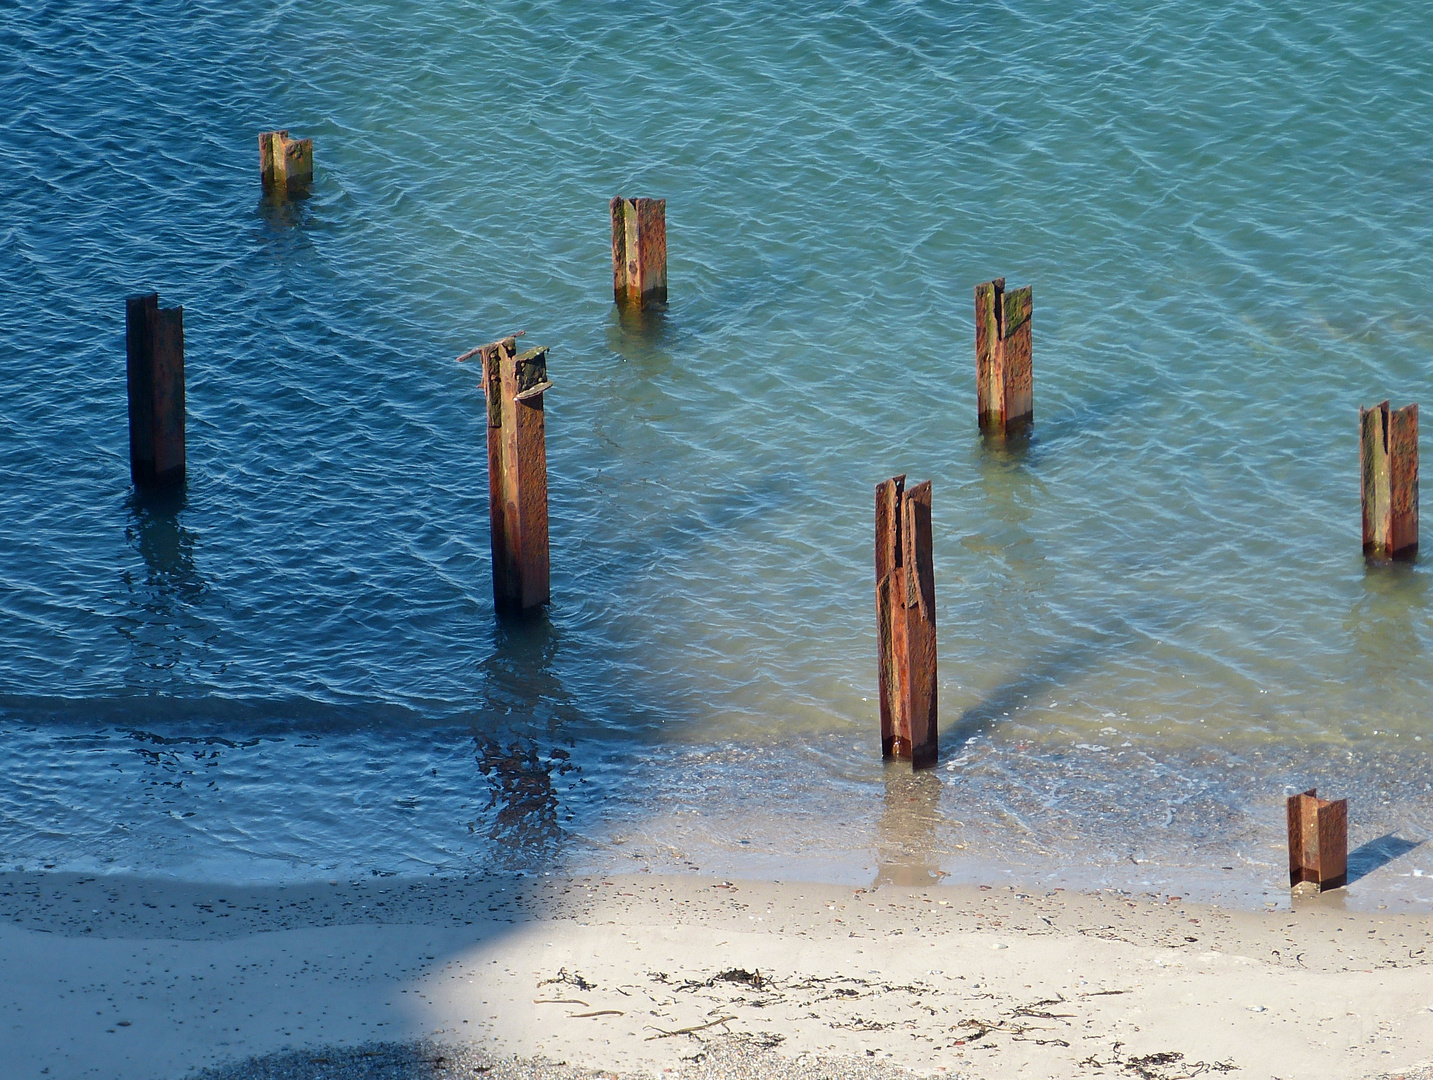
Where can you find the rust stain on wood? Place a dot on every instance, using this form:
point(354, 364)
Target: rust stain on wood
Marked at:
point(517, 473)
point(1388, 480)
point(1004, 379)
point(1318, 840)
point(285, 164)
point(905, 623)
point(639, 251)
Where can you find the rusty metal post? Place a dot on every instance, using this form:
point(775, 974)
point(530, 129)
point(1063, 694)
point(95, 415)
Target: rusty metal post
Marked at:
point(1004, 381)
point(905, 623)
point(639, 251)
point(285, 165)
point(1388, 467)
point(154, 374)
point(517, 471)
point(1318, 841)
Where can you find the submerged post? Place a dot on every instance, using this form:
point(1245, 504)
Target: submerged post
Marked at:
point(1388, 464)
point(639, 251)
point(1318, 841)
point(1004, 381)
point(517, 472)
point(905, 622)
point(285, 165)
point(154, 373)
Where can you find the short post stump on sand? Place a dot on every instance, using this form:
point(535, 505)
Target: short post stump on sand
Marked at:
point(1004, 382)
point(639, 251)
point(1318, 841)
point(905, 622)
point(154, 370)
point(1388, 464)
point(285, 165)
point(517, 472)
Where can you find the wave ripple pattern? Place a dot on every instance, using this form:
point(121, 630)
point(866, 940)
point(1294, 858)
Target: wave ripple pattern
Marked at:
point(1224, 210)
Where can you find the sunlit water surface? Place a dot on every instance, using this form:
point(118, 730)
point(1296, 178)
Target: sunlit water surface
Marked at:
point(1155, 619)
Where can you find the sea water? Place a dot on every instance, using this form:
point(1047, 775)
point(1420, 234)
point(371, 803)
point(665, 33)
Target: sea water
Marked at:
point(1155, 618)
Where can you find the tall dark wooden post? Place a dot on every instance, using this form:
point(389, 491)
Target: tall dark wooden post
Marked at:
point(905, 622)
point(639, 251)
point(154, 369)
point(1388, 464)
point(1318, 840)
point(517, 472)
point(1004, 380)
point(285, 165)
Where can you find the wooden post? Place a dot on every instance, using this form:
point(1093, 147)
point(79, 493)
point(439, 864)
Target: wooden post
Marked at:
point(905, 622)
point(1318, 841)
point(517, 472)
point(154, 369)
point(639, 251)
point(1004, 381)
point(285, 165)
point(1388, 464)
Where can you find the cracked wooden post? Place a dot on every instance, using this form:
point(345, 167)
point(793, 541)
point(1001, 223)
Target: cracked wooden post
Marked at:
point(1004, 381)
point(517, 472)
point(154, 374)
point(1388, 466)
point(905, 622)
point(285, 165)
point(639, 251)
point(1318, 841)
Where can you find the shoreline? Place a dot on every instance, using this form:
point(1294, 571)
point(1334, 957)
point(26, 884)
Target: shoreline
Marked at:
point(637, 974)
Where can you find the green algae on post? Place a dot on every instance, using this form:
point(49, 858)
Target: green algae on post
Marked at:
point(285, 164)
point(1004, 382)
point(1388, 468)
point(639, 251)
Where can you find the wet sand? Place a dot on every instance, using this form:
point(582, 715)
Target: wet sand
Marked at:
point(128, 978)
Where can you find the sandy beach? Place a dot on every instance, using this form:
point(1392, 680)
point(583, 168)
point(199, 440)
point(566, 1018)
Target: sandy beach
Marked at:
point(142, 978)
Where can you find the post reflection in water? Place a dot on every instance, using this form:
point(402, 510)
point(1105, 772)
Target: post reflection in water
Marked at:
point(1383, 623)
point(521, 746)
point(906, 833)
point(159, 621)
point(282, 212)
point(644, 336)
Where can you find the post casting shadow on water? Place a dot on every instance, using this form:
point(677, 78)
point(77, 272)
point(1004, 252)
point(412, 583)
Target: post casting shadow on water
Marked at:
point(1375, 854)
point(1052, 669)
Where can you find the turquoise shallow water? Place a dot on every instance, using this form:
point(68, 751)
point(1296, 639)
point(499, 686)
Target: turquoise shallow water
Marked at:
point(1154, 619)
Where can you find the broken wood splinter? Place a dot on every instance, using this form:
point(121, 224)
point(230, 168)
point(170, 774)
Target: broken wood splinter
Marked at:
point(478, 350)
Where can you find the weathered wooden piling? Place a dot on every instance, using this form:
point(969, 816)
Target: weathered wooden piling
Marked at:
point(639, 251)
point(285, 165)
point(154, 369)
point(905, 622)
point(1318, 841)
point(1388, 464)
point(517, 472)
point(1004, 381)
